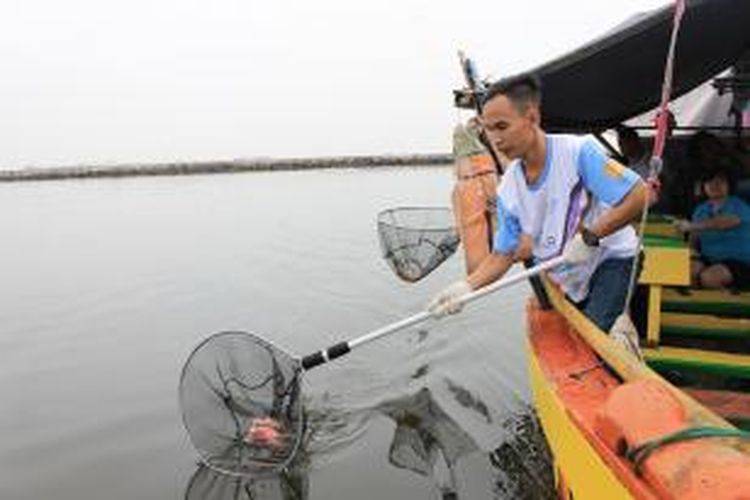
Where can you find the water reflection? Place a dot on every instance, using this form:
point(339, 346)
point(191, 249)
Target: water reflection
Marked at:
point(427, 441)
point(522, 465)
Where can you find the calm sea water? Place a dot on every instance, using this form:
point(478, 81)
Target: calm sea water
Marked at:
point(108, 284)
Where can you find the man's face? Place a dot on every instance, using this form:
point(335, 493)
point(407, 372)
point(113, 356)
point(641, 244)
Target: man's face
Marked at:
point(508, 129)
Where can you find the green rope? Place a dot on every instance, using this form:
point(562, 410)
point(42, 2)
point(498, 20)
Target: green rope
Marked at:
point(641, 452)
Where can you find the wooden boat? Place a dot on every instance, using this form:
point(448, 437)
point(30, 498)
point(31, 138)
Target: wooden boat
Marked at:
point(671, 427)
point(597, 403)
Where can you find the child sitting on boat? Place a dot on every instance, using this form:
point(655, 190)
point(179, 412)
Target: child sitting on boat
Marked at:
point(720, 232)
point(473, 197)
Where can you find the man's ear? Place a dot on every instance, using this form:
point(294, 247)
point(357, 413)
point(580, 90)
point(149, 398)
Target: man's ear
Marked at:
point(534, 115)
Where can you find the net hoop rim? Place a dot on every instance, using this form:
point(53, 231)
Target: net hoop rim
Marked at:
point(262, 470)
point(388, 211)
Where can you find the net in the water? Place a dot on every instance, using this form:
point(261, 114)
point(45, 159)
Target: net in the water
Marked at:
point(240, 401)
point(416, 240)
point(207, 484)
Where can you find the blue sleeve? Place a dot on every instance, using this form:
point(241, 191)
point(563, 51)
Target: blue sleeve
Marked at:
point(604, 177)
point(508, 230)
point(739, 208)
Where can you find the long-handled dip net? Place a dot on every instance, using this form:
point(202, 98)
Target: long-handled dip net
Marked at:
point(240, 403)
point(415, 240)
point(240, 394)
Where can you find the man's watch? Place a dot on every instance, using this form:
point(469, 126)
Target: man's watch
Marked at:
point(589, 238)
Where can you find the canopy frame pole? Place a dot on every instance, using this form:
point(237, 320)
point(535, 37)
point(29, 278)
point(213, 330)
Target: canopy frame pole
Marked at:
point(612, 150)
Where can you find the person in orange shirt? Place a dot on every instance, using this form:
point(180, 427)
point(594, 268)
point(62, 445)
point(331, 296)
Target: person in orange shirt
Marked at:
point(474, 194)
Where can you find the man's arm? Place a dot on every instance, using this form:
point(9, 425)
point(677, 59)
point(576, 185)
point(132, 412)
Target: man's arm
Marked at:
point(623, 213)
point(492, 268)
point(448, 301)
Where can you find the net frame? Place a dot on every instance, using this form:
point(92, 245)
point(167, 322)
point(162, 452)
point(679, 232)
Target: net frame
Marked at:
point(216, 400)
point(415, 240)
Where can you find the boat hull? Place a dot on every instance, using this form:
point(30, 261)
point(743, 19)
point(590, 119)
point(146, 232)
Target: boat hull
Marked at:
point(594, 407)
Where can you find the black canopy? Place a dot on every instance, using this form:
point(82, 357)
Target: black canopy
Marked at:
point(619, 75)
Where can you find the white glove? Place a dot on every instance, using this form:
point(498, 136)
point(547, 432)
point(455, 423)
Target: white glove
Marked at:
point(447, 301)
point(683, 226)
point(576, 251)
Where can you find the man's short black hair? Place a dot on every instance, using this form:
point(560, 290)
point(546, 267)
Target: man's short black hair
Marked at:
point(522, 90)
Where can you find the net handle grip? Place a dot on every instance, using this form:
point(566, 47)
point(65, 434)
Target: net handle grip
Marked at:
point(325, 355)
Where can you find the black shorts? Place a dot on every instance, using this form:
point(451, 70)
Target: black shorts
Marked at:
point(740, 271)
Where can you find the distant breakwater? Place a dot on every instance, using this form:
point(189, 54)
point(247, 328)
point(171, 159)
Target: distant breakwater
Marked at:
point(218, 167)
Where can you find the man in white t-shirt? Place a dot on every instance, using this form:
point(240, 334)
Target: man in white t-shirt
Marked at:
point(561, 194)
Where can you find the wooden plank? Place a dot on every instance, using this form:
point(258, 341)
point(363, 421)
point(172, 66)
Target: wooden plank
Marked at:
point(704, 325)
point(722, 363)
point(662, 228)
point(654, 316)
point(729, 404)
point(666, 266)
point(698, 301)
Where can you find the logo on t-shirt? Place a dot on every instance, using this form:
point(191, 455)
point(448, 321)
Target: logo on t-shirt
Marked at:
point(614, 169)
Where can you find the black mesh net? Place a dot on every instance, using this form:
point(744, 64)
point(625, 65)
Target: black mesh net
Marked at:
point(207, 484)
point(240, 401)
point(416, 240)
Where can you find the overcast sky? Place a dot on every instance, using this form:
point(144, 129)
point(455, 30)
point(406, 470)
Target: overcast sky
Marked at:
point(102, 81)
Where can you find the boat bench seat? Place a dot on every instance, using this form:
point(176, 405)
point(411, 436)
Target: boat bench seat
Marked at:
point(700, 301)
point(662, 226)
point(732, 405)
point(666, 263)
point(704, 325)
point(676, 311)
point(712, 362)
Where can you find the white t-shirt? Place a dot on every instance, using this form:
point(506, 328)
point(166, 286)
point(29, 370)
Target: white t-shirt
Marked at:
point(577, 185)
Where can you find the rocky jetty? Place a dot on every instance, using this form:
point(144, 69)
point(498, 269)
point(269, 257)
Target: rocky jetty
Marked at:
point(215, 167)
